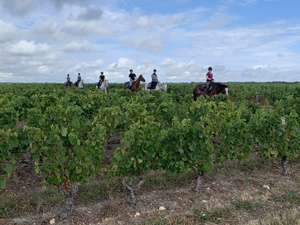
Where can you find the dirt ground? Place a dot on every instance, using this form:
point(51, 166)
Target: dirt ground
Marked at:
point(234, 193)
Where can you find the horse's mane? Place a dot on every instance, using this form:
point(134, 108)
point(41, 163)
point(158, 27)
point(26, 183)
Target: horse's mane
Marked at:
point(219, 85)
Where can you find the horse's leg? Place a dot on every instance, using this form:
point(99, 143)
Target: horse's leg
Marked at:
point(195, 97)
point(198, 93)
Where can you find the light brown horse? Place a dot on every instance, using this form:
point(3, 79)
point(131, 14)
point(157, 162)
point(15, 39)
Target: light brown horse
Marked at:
point(216, 89)
point(136, 85)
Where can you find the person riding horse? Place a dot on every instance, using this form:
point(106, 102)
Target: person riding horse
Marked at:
point(68, 82)
point(132, 78)
point(78, 80)
point(101, 79)
point(154, 80)
point(209, 80)
point(68, 78)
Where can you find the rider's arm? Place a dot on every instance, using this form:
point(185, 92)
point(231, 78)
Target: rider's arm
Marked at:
point(208, 78)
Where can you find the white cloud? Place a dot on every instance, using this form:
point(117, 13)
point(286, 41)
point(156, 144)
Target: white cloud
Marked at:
point(151, 43)
point(17, 7)
point(122, 64)
point(88, 65)
point(28, 48)
point(45, 30)
point(6, 77)
point(77, 47)
point(163, 21)
point(88, 14)
point(167, 62)
point(84, 28)
point(8, 32)
point(44, 70)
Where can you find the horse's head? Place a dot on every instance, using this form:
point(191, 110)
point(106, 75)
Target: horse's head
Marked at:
point(219, 88)
point(163, 86)
point(142, 78)
point(225, 89)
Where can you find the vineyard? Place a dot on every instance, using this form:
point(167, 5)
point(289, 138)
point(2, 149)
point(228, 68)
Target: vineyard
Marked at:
point(62, 132)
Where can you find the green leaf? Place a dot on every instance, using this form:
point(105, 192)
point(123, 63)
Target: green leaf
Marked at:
point(8, 169)
point(64, 131)
point(2, 182)
point(78, 170)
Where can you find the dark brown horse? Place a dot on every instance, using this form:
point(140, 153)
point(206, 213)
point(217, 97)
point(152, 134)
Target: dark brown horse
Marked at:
point(136, 85)
point(216, 89)
point(68, 84)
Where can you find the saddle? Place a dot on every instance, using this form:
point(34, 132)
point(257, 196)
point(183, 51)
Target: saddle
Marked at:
point(203, 87)
point(128, 85)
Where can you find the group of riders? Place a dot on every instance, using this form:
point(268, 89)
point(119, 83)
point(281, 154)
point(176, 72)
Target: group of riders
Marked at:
point(133, 78)
point(69, 83)
point(154, 82)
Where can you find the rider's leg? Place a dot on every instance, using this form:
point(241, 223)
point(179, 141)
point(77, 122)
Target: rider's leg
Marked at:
point(207, 88)
point(154, 83)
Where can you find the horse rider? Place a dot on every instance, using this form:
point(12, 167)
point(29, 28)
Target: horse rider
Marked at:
point(132, 78)
point(209, 79)
point(101, 79)
point(154, 80)
point(68, 80)
point(78, 80)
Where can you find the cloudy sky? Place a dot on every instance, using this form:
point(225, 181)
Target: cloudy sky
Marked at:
point(243, 40)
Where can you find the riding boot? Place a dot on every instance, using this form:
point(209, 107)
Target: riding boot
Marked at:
point(206, 91)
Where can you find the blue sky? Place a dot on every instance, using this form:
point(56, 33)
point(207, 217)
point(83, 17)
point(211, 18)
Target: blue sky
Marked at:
point(243, 40)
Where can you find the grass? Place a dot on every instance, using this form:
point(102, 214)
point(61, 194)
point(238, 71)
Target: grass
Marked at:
point(217, 215)
point(99, 189)
point(291, 196)
point(246, 205)
point(177, 220)
point(162, 180)
point(289, 218)
point(31, 202)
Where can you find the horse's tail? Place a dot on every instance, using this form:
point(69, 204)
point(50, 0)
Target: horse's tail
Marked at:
point(195, 98)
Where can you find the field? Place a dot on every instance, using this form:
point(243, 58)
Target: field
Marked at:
point(80, 156)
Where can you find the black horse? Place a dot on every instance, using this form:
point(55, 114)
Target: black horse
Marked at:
point(216, 89)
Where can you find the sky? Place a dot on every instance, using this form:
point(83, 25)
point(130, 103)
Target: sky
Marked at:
point(242, 40)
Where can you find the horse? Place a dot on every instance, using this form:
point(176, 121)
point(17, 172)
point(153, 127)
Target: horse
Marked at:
point(159, 86)
point(136, 85)
point(68, 83)
point(104, 86)
point(216, 89)
point(81, 84)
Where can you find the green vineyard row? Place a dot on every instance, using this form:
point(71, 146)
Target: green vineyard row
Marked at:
point(65, 130)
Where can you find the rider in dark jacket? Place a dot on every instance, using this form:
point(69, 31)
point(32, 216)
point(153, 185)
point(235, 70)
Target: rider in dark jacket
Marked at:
point(132, 78)
point(101, 79)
